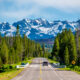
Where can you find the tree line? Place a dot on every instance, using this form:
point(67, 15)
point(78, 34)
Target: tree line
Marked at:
point(15, 49)
point(64, 48)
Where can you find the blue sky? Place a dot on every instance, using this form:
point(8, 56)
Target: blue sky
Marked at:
point(14, 10)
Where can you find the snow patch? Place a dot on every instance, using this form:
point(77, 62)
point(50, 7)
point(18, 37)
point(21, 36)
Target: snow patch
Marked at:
point(13, 29)
point(27, 33)
point(34, 27)
point(9, 34)
point(37, 21)
point(28, 21)
point(3, 32)
point(44, 30)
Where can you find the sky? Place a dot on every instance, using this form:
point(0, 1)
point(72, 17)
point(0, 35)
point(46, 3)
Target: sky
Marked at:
point(15, 10)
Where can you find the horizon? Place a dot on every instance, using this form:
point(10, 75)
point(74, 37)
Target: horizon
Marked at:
point(38, 18)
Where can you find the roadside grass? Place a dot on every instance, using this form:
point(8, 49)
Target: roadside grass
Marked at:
point(28, 60)
point(65, 69)
point(10, 71)
point(10, 74)
point(52, 61)
point(77, 72)
point(68, 68)
point(73, 68)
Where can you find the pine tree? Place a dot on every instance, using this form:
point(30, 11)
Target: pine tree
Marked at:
point(66, 56)
point(25, 45)
point(79, 46)
point(78, 51)
point(73, 51)
point(17, 31)
point(39, 51)
point(18, 46)
point(56, 48)
point(4, 52)
point(12, 56)
point(0, 62)
point(66, 38)
point(43, 49)
point(63, 44)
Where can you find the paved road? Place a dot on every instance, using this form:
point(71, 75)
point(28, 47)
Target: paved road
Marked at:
point(38, 72)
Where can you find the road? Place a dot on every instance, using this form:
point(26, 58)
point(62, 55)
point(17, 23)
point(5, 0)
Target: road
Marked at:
point(36, 71)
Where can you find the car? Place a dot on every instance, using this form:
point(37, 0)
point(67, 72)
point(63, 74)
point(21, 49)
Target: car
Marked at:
point(45, 63)
point(22, 63)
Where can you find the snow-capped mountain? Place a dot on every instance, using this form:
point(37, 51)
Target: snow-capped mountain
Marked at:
point(37, 28)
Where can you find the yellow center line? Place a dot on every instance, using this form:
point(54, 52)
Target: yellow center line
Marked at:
point(40, 68)
point(40, 79)
point(40, 71)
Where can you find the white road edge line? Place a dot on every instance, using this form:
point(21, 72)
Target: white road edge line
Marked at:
point(55, 72)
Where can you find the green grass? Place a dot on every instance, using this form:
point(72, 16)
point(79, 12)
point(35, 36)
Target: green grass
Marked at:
point(66, 69)
point(29, 60)
point(10, 73)
point(52, 61)
point(75, 69)
point(77, 72)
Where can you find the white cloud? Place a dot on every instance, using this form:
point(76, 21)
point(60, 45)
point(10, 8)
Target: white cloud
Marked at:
point(18, 14)
point(66, 5)
point(18, 11)
point(59, 4)
point(25, 8)
point(69, 5)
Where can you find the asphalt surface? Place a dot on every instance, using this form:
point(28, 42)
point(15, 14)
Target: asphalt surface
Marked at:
point(36, 71)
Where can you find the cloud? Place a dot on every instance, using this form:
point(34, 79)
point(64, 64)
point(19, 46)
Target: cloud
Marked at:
point(18, 13)
point(38, 8)
point(65, 5)
point(17, 8)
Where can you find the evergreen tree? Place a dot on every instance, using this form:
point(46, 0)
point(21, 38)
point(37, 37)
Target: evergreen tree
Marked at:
point(25, 46)
point(12, 56)
point(43, 49)
point(15, 49)
point(66, 56)
point(78, 51)
point(18, 46)
point(4, 52)
point(0, 62)
point(17, 31)
point(73, 51)
point(40, 54)
point(66, 38)
point(55, 50)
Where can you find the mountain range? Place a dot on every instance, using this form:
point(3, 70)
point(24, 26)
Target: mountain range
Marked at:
point(38, 29)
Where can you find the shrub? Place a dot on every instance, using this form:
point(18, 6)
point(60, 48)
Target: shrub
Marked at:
point(76, 68)
point(11, 67)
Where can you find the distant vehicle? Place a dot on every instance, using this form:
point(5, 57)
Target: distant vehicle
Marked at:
point(45, 63)
point(22, 63)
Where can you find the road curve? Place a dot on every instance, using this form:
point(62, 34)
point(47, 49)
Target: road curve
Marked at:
point(37, 71)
